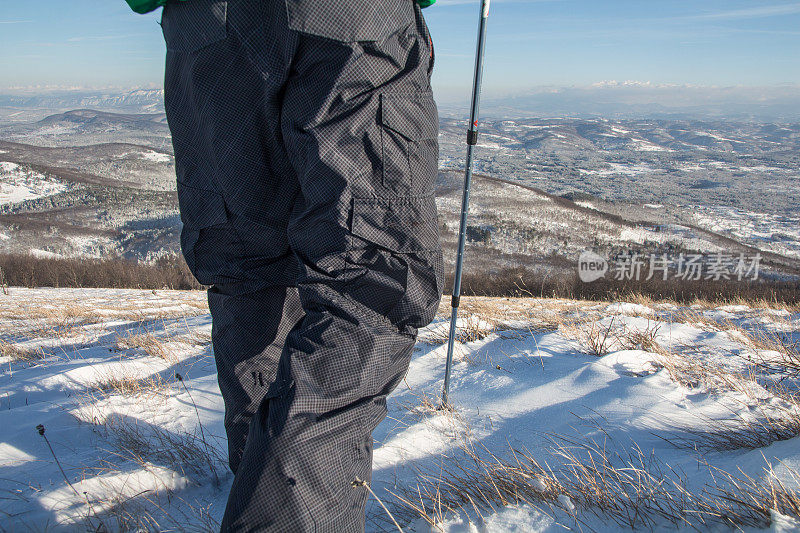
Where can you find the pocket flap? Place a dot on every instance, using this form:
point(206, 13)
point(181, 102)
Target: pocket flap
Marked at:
point(412, 115)
point(200, 208)
point(350, 20)
point(402, 224)
point(189, 26)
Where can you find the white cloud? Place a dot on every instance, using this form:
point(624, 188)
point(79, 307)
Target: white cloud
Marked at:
point(754, 12)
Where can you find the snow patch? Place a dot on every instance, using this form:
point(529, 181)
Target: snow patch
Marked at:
point(625, 308)
point(509, 519)
point(43, 254)
point(18, 184)
point(157, 157)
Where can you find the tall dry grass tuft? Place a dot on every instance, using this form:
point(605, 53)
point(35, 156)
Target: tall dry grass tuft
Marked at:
point(468, 329)
point(20, 355)
point(593, 337)
point(599, 339)
point(196, 338)
point(158, 451)
point(628, 490)
point(770, 408)
point(710, 376)
point(472, 482)
point(146, 512)
point(739, 433)
point(631, 489)
point(127, 385)
point(739, 499)
point(181, 451)
point(63, 321)
point(147, 342)
point(780, 342)
point(642, 339)
point(190, 453)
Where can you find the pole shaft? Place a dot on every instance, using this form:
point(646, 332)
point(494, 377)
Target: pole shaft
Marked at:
point(472, 139)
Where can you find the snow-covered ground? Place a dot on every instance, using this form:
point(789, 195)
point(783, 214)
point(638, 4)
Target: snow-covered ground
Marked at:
point(590, 415)
point(620, 169)
point(774, 232)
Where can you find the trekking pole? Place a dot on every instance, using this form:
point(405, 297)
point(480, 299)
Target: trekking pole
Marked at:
point(472, 140)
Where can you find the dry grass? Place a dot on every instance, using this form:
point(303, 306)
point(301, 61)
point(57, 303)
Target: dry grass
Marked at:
point(146, 512)
point(631, 489)
point(642, 339)
point(755, 303)
point(538, 313)
point(481, 484)
point(196, 338)
point(628, 490)
point(695, 317)
point(482, 315)
point(739, 433)
point(787, 364)
point(598, 339)
point(770, 401)
point(130, 385)
point(772, 407)
point(181, 451)
point(425, 405)
point(108, 506)
point(147, 342)
point(593, 337)
point(30, 271)
point(62, 315)
point(769, 373)
point(135, 484)
point(742, 500)
point(189, 453)
point(693, 373)
point(20, 355)
point(63, 321)
point(469, 329)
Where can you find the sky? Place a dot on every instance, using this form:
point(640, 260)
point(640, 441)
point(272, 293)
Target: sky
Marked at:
point(530, 43)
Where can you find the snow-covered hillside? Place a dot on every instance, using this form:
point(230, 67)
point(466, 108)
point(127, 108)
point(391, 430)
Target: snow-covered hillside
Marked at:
point(591, 415)
point(778, 233)
point(18, 184)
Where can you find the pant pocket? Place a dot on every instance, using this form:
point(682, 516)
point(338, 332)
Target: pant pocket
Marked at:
point(409, 143)
point(190, 26)
point(395, 243)
point(209, 243)
point(350, 21)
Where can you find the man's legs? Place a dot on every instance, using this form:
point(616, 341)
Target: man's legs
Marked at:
point(360, 124)
point(236, 188)
point(248, 333)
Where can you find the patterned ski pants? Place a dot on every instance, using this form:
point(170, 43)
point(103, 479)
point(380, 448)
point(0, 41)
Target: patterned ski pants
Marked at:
point(305, 138)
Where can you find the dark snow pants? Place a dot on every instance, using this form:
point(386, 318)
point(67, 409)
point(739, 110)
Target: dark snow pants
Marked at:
point(305, 138)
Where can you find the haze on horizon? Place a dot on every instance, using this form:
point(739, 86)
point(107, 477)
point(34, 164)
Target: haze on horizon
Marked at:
point(531, 43)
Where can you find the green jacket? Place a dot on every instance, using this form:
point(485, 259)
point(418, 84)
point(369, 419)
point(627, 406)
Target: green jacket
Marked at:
point(145, 6)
